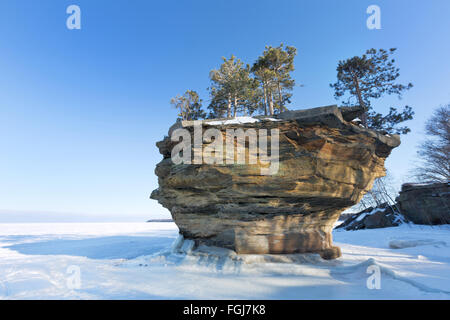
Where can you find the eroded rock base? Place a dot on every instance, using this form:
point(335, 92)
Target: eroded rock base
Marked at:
point(262, 234)
point(214, 254)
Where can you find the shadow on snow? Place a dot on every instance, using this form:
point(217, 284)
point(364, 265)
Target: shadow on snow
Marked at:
point(113, 247)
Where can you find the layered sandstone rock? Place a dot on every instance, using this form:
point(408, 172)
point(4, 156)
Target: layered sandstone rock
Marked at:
point(326, 164)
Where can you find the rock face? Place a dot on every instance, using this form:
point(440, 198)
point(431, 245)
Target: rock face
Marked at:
point(425, 204)
point(326, 164)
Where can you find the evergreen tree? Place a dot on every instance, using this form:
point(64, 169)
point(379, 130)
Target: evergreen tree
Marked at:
point(235, 91)
point(231, 86)
point(189, 105)
point(370, 77)
point(218, 107)
point(273, 70)
point(266, 77)
point(254, 102)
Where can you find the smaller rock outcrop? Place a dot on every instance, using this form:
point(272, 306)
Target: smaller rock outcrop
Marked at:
point(382, 216)
point(425, 203)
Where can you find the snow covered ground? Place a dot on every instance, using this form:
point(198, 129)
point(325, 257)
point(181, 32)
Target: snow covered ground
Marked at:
point(135, 261)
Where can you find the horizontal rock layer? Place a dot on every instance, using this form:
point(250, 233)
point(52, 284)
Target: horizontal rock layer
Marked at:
point(326, 164)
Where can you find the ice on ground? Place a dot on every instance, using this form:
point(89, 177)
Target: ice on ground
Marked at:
point(400, 244)
point(146, 261)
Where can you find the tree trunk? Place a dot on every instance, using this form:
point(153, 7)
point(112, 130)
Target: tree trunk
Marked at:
point(361, 101)
point(188, 111)
point(265, 99)
point(280, 97)
point(229, 106)
point(235, 106)
point(270, 104)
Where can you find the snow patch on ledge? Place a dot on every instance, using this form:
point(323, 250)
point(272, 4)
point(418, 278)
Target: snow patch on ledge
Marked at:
point(239, 120)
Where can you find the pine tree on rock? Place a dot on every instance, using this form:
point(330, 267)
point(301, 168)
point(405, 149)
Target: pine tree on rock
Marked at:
point(370, 77)
point(189, 105)
point(273, 70)
point(233, 86)
point(266, 77)
point(218, 107)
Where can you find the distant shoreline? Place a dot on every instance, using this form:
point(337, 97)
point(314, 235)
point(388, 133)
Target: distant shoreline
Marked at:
point(160, 220)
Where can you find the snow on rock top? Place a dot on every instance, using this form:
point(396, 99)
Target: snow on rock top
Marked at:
point(238, 120)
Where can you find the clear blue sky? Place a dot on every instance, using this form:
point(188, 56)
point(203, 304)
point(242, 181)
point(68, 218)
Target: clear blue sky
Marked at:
point(81, 110)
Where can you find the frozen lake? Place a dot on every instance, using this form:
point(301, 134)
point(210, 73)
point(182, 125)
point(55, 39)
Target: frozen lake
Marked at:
point(134, 261)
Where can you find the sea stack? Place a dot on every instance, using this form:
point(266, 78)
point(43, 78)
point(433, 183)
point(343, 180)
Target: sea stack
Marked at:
point(325, 161)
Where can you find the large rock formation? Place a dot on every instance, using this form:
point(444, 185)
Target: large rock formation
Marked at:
point(326, 164)
point(425, 203)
